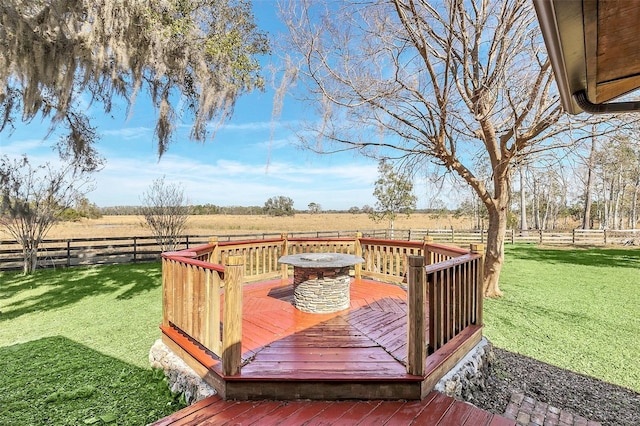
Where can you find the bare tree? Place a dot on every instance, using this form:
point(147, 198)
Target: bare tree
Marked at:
point(56, 54)
point(165, 211)
point(33, 198)
point(466, 85)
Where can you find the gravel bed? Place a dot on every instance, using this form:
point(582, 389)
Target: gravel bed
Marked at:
point(582, 395)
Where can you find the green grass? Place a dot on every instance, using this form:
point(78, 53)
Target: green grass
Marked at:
point(578, 309)
point(75, 343)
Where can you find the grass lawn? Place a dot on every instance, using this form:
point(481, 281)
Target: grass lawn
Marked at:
point(577, 309)
point(74, 342)
point(74, 347)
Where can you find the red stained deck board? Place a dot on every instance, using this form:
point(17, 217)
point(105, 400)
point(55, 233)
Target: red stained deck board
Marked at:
point(458, 413)
point(325, 372)
point(234, 410)
point(382, 413)
point(436, 409)
point(197, 414)
point(478, 418)
point(332, 414)
point(410, 410)
point(311, 354)
point(257, 411)
point(308, 412)
point(393, 334)
point(273, 417)
point(357, 413)
point(372, 317)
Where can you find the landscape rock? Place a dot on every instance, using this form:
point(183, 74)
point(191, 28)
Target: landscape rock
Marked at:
point(467, 378)
point(182, 378)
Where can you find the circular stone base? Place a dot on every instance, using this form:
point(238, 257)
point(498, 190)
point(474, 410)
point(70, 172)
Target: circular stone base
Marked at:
point(321, 290)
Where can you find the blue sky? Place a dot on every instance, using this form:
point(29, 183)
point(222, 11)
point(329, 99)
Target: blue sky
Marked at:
point(251, 158)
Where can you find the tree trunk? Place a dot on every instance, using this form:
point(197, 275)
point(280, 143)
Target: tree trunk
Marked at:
point(633, 219)
point(494, 258)
point(524, 226)
point(30, 259)
point(536, 204)
point(617, 213)
point(586, 216)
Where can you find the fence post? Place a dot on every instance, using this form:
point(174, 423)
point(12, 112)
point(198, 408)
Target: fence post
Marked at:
point(232, 329)
point(68, 253)
point(604, 233)
point(573, 236)
point(135, 249)
point(358, 252)
point(513, 237)
point(479, 296)
point(284, 269)
point(540, 233)
point(416, 295)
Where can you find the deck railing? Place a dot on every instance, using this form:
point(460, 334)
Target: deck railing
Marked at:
point(194, 292)
point(202, 287)
point(446, 293)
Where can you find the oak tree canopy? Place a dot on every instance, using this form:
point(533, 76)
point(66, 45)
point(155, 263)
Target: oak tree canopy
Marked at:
point(194, 58)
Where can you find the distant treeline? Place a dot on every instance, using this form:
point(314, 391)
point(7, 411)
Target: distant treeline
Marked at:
point(211, 209)
point(200, 209)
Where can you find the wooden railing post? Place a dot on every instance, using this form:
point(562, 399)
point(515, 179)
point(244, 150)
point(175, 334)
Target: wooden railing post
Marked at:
point(479, 249)
point(215, 250)
point(428, 256)
point(358, 252)
point(416, 295)
point(284, 269)
point(232, 325)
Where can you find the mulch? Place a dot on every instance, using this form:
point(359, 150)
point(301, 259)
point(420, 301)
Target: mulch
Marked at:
point(581, 395)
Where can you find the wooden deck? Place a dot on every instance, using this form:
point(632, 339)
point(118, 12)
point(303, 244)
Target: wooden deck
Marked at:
point(357, 353)
point(435, 409)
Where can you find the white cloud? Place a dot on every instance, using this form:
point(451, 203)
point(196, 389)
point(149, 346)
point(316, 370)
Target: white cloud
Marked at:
point(19, 147)
point(232, 182)
point(129, 133)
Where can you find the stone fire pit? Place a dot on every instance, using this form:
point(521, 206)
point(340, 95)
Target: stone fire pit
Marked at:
point(321, 281)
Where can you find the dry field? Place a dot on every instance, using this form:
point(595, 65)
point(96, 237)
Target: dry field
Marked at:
point(120, 226)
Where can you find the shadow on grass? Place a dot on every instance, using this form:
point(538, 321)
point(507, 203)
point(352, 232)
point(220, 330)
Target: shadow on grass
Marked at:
point(605, 257)
point(55, 380)
point(64, 287)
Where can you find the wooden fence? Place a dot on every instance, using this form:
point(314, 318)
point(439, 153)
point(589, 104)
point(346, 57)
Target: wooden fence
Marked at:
point(111, 250)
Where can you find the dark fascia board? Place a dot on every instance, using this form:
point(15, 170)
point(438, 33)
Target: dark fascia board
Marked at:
point(562, 26)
